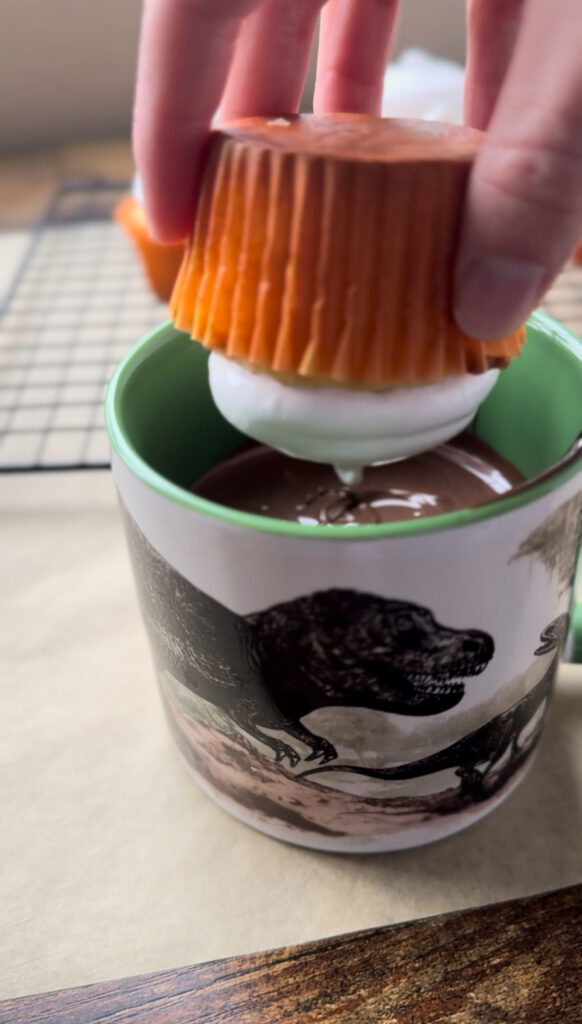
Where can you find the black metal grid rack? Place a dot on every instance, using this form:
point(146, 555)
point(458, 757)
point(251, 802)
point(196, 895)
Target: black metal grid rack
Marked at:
point(76, 304)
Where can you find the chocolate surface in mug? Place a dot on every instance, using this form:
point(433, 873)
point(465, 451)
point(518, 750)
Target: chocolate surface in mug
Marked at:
point(464, 473)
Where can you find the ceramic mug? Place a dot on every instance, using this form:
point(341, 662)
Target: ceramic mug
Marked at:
point(352, 689)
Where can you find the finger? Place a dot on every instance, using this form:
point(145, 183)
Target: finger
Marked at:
point(186, 47)
point(353, 53)
point(271, 59)
point(524, 209)
point(492, 32)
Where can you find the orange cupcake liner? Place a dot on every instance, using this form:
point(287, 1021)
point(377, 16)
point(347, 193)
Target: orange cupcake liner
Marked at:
point(161, 262)
point(330, 271)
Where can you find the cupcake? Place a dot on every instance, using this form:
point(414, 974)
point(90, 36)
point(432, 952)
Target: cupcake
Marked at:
point(160, 262)
point(320, 273)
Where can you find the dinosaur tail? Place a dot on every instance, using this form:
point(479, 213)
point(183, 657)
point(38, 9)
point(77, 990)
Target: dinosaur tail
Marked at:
point(426, 766)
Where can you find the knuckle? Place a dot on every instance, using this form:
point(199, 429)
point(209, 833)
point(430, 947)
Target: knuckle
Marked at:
point(202, 11)
point(494, 8)
point(540, 171)
point(161, 124)
point(218, 9)
point(297, 17)
point(352, 76)
point(493, 12)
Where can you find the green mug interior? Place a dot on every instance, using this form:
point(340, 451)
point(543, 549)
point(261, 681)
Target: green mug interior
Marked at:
point(163, 423)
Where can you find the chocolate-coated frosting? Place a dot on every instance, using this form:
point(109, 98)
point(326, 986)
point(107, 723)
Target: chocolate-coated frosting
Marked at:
point(462, 474)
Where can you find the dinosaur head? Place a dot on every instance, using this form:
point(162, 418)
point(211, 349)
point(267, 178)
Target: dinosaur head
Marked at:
point(394, 655)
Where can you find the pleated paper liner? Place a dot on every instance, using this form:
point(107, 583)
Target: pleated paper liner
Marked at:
point(328, 267)
point(161, 262)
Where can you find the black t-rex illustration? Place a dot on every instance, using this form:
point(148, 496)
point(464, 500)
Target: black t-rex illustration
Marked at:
point(475, 756)
point(336, 647)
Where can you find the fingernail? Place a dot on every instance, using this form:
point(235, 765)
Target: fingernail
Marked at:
point(496, 295)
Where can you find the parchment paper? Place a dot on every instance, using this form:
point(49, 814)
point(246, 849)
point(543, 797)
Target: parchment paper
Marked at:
point(112, 861)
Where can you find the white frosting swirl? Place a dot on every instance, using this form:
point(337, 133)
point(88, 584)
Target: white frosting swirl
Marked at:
point(344, 426)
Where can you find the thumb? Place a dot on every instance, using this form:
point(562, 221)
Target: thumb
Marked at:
point(523, 215)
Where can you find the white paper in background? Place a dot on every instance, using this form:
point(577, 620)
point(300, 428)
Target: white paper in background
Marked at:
point(113, 862)
point(420, 85)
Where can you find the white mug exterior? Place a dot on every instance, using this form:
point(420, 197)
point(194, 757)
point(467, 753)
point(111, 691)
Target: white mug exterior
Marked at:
point(407, 778)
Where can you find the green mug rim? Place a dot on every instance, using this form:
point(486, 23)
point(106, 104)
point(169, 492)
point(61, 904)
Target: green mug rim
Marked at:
point(533, 489)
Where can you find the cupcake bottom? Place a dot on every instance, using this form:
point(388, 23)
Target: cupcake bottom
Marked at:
point(160, 262)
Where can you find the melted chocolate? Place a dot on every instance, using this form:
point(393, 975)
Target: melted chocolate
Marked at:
point(462, 474)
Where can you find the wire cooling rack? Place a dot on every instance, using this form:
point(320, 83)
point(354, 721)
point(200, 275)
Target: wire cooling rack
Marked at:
point(564, 301)
point(78, 301)
point(76, 304)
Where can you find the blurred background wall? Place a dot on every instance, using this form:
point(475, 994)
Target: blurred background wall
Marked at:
point(67, 66)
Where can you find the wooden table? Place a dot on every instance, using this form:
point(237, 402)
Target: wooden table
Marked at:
point(515, 963)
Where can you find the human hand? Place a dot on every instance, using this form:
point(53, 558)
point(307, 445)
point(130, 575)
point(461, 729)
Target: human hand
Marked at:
point(249, 57)
point(523, 216)
point(524, 86)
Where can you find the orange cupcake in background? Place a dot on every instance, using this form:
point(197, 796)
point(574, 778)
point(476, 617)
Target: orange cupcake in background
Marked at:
point(320, 274)
point(323, 251)
point(161, 262)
